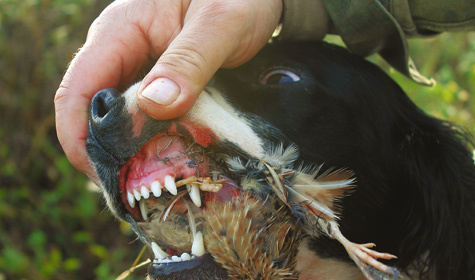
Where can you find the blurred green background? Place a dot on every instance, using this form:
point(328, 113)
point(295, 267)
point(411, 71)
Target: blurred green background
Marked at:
point(53, 225)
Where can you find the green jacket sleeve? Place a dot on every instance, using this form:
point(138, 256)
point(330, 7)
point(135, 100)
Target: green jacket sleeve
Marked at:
point(379, 26)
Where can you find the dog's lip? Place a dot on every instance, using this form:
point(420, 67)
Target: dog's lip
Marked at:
point(205, 262)
point(168, 266)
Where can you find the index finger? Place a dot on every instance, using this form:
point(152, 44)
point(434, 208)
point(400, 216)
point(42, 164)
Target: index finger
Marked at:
point(112, 55)
point(72, 100)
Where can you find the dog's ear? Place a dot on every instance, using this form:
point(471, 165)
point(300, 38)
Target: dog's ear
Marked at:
point(437, 173)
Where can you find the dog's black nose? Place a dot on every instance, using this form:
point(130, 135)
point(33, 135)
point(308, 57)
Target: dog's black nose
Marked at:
point(101, 105)
point(108, 123)
point(108, 119)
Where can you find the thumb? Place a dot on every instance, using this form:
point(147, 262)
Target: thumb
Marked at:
point(209, 39)
point(180, 74)
point(172, 86)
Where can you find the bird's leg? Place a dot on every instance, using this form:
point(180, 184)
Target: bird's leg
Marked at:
point(364, 257)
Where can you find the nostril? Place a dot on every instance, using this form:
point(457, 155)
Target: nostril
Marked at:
point(102, 108)
point(103, 101)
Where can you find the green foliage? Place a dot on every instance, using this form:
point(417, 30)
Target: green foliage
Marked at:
point(52, 226)
point(450, 60)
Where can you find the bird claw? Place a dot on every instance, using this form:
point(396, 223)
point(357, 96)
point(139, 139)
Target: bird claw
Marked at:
point(366, 258)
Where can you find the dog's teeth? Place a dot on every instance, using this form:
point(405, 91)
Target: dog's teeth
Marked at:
point(198, 247)
point(158, 252)
point(170, 184)
point(137, 195)
point(156, 188)
point(143, 209)
point(194, 191)
point(185, 257)
point(145, 192)
point(176, 259)
point(131, 199)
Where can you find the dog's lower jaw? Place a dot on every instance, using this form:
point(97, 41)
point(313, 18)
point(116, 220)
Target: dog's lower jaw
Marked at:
point(202, 268)
point(244, 236)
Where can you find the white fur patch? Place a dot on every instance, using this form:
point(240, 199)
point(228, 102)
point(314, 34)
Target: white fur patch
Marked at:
point(131, 104)
point(133, 109)
point(211, 110)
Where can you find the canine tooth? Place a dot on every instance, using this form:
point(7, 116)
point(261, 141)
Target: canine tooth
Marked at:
point(194, 191)
point(145, 192)
point(185, 257)
point(143, 209)
point(156, 188)
point(170, 185)
point(198, 247)
point(131, 199)
point(137, 195)
point(158, 252)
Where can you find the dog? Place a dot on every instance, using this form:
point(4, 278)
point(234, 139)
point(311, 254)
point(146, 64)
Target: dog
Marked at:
point(292, 166)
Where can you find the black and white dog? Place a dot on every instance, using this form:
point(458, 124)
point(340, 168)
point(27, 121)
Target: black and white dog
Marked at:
point(225, 192)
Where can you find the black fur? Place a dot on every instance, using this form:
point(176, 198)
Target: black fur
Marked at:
point(415, 194)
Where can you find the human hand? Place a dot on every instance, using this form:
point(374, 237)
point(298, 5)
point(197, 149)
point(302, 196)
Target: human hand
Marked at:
point(190, 39)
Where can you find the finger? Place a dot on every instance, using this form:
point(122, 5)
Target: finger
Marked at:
point(104, 61)
point(72, 100)
point(211, 36)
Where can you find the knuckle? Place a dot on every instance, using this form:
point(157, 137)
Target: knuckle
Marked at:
point(231, 10)
point(186, 60)
point(62, 91)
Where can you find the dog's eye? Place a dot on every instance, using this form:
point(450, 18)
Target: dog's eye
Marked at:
point(279, 76)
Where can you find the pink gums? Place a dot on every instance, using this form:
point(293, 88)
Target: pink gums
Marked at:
point(163, 155)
